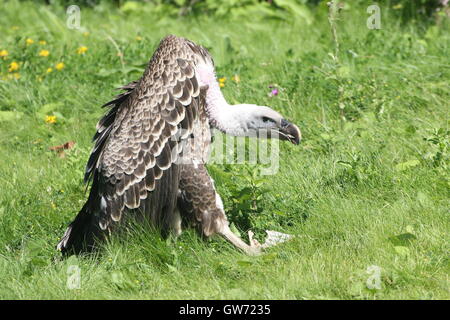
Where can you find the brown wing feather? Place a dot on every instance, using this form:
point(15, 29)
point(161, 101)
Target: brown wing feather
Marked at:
point(141, 142)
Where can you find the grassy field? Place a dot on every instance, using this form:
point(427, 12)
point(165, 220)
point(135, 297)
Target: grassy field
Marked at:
point(365, 194)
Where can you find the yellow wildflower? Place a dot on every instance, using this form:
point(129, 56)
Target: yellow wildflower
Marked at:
point(236, 78)
point(14, 28)
point(222, 82)
point(3, 53)
point(49, 70)
point(59, 66)
point(13, 66)
point(86, 34)
point(138, 38)
point(42, 42)
point(50, 119)
point(82, 50)
point(29, 41)
point(44, 53)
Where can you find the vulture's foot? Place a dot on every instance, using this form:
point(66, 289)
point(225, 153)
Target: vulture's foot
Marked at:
point(255, 248)
point(273, 238)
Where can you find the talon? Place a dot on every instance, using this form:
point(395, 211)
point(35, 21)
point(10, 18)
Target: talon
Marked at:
point(254, 248)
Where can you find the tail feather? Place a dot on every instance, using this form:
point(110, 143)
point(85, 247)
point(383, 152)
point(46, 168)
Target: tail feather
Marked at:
point(80, 234)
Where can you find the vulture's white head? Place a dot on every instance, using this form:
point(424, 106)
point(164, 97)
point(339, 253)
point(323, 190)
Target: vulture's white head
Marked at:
point(243, 119)
point(250, 119)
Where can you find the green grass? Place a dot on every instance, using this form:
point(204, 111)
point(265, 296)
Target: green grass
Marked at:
point(369, 185)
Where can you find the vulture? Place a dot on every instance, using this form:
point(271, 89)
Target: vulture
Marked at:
point(151, 147)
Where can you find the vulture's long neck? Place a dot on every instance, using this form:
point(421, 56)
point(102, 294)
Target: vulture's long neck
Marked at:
point(223, 116)
point(217, 106)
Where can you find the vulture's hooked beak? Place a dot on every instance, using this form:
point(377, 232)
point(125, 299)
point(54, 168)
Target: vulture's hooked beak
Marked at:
point(289, 131)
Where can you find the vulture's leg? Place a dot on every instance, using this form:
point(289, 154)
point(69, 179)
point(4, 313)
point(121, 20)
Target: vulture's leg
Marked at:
point(176, 223)
point(253, 249)
point(199, 203)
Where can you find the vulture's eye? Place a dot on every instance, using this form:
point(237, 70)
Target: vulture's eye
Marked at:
point(266, 119)
point(284, 123)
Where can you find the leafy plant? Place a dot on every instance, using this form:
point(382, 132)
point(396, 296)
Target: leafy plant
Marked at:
point(246, 188)
point(440, 142)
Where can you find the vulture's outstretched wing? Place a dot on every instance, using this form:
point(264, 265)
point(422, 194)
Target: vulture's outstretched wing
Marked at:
point(104, 127)
point(132, 164)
